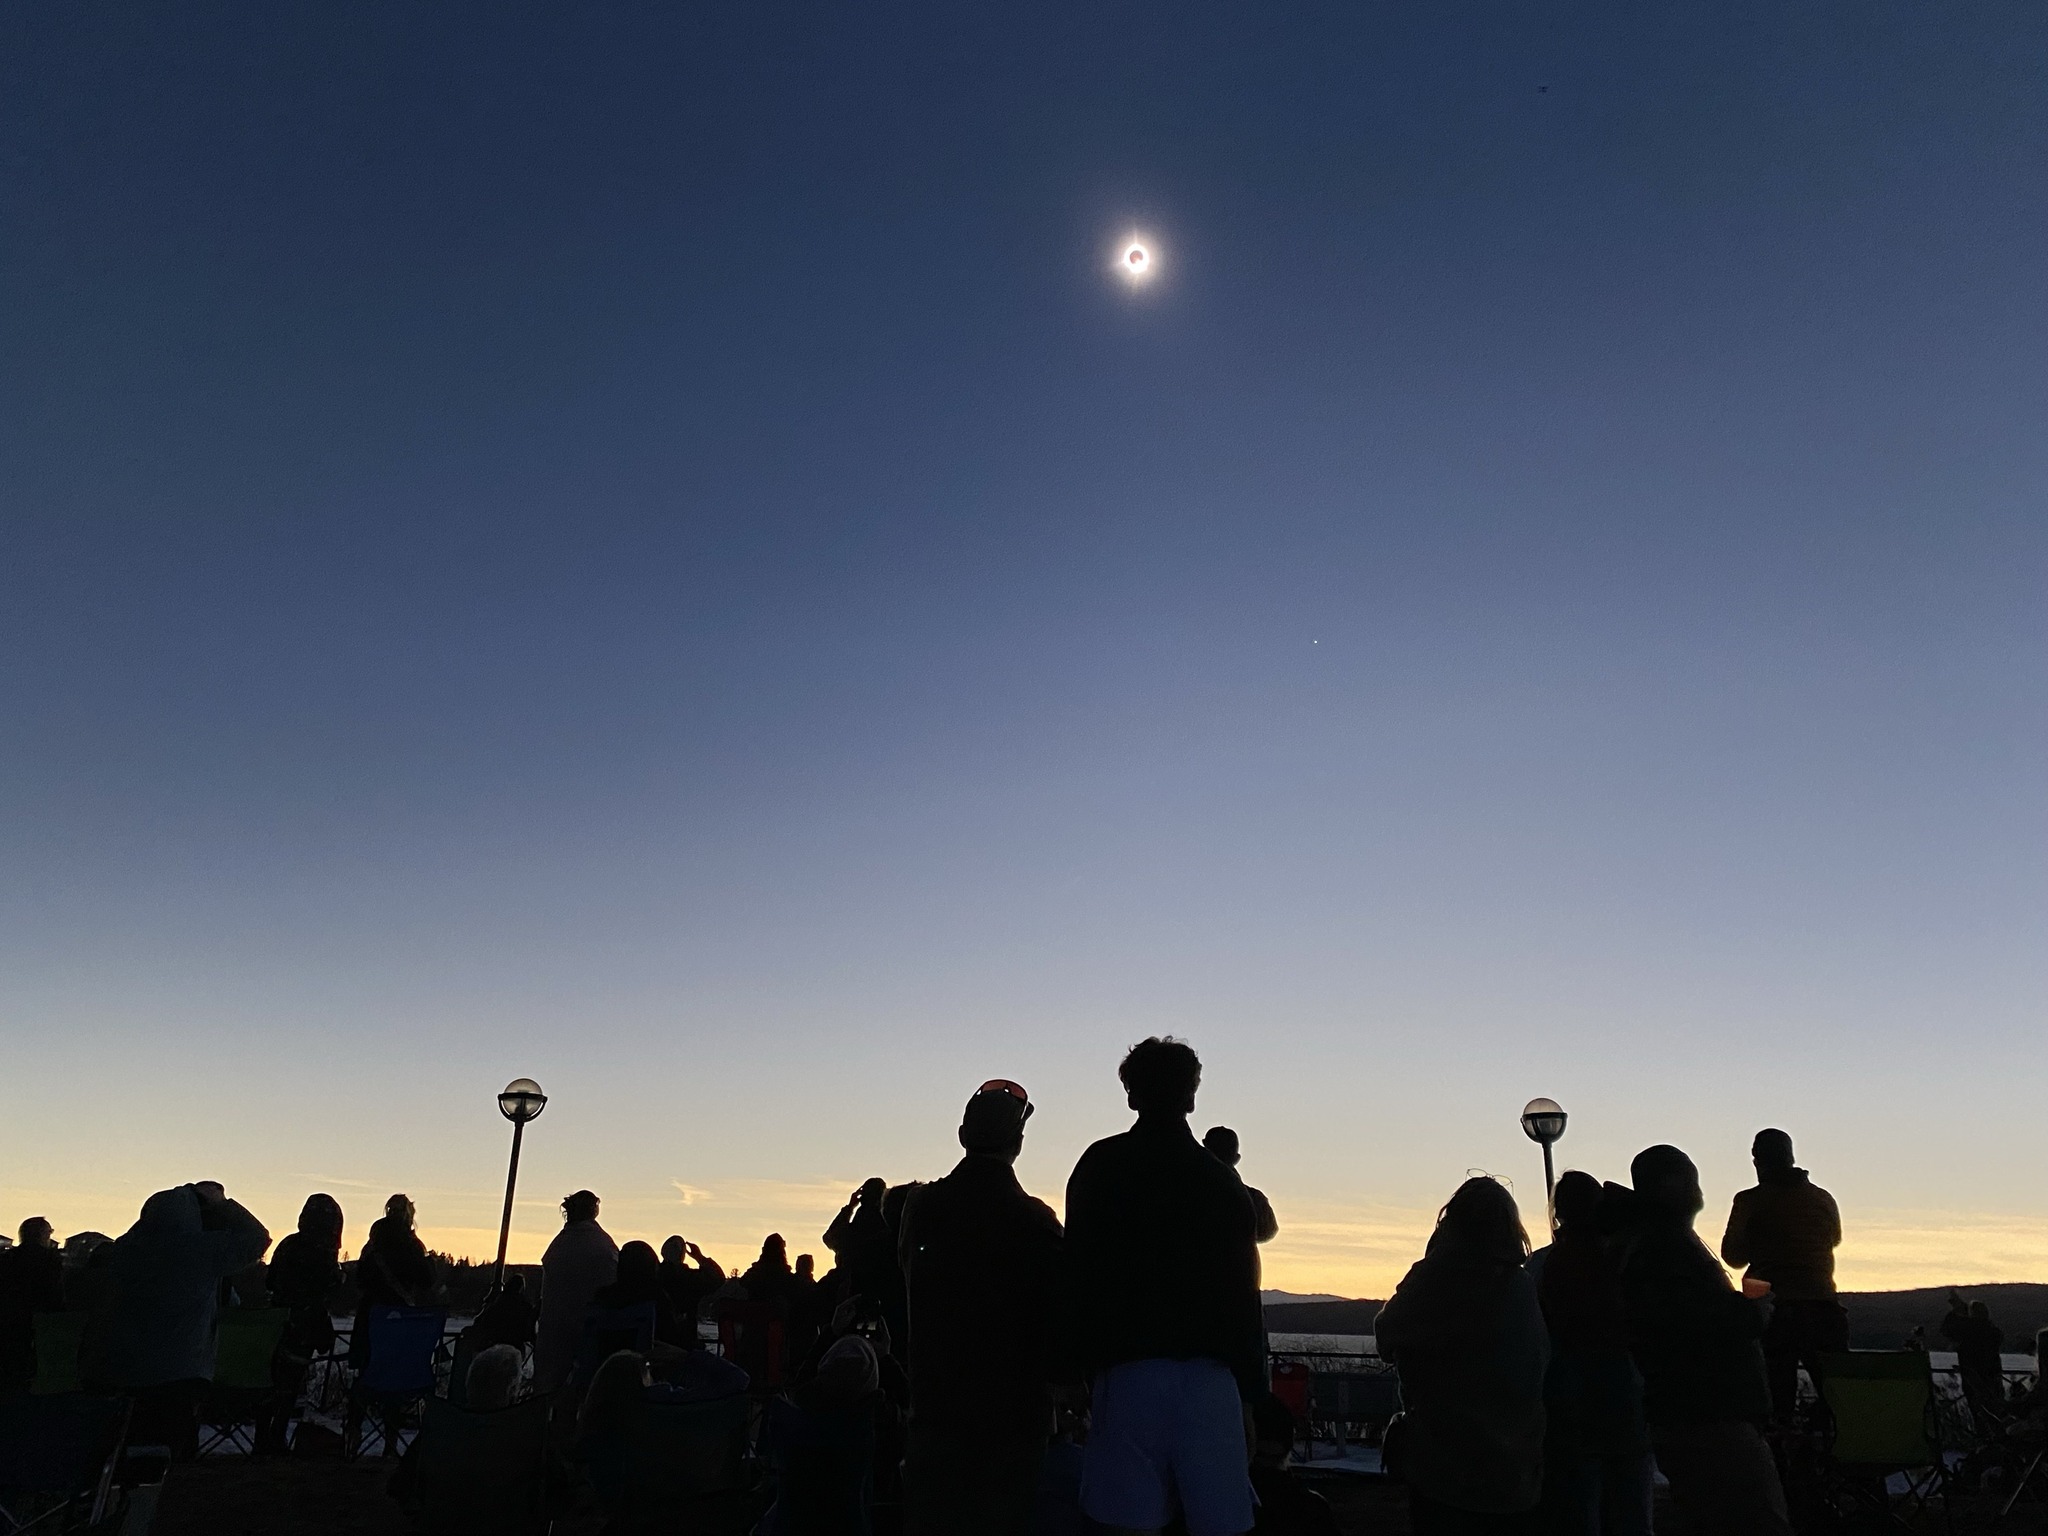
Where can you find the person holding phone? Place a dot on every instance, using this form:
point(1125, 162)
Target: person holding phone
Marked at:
point(1785, 1230)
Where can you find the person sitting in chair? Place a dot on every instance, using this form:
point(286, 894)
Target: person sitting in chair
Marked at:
point(493, 1380)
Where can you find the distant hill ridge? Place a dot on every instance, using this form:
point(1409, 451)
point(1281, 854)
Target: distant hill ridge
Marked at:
point(1877, 1319)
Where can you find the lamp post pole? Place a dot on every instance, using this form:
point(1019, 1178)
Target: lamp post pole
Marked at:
point(1543, 1122)
point(521, 1101)
point(511, 1183)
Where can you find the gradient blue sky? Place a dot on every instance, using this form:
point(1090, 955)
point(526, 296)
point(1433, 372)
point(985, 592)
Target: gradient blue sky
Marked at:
point(648, 549)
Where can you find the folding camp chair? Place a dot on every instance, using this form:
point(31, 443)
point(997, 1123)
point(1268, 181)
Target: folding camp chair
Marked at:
point(682, 1451)
point(58, 1456)
point(824, 1464)
point(481, 1474)
point(1346, 1400)
point(1290, 1381)
point(466, 1349)
point(2014, 1466)
point(687, 1470)
point(244, 1385)
point(59, 1339)
point(397, 1378)
point(750, 1335)
point(2028, 1478)
point(1882, 1445)
point(606, 1331)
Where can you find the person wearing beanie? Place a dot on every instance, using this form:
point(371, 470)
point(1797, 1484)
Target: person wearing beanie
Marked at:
point(1786, 1230)
point(981, 1259)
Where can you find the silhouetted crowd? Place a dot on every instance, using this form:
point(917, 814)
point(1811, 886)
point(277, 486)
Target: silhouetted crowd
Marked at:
point(969, 1364)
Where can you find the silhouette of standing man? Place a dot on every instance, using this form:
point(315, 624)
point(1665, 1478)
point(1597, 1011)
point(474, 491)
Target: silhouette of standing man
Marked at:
point(982, 1259)
point(1163, 1271)
point(1786, 1230)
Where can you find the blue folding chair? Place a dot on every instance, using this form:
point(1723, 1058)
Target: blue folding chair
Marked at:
point(397, 1377)
point(606, 1331)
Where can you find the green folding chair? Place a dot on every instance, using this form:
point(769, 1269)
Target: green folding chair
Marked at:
point(59, 1339)
point(244, 1384)
point(1883, 1442)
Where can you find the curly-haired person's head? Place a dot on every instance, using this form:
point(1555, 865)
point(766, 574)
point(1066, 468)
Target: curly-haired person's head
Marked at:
point(1160, 1076)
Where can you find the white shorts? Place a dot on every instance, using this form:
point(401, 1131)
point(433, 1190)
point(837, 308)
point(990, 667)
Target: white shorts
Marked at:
point(1167, 1435)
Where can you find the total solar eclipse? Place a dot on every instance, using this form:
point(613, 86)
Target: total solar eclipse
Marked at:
point(1135, 261)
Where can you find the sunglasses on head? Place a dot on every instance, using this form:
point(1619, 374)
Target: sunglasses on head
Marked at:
point(1014, 1090)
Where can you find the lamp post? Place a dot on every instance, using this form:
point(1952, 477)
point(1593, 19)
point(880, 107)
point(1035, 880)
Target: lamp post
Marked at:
point(521, 1101)
point(1543, 1123)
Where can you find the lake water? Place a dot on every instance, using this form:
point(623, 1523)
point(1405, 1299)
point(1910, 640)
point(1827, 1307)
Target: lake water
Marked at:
point(1341, 1344)
point(1352, 1345)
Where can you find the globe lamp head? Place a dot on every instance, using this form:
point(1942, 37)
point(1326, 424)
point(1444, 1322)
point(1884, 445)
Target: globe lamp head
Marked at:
point(1543, 1120)
point(522, 1100)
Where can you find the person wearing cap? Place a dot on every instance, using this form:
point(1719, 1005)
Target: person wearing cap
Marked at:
point(1163, 1305)
point(981, 1258)
point(1222, 1144)
point(1694, 1338)
point(1786, 1230)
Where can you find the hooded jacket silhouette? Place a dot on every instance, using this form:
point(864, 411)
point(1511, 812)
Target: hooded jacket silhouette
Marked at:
point(168, 1268)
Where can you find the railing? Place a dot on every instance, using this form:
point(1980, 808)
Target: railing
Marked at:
point(1957, 1424)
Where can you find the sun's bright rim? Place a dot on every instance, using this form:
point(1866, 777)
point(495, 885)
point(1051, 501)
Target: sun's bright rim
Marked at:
point(1135, 261)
